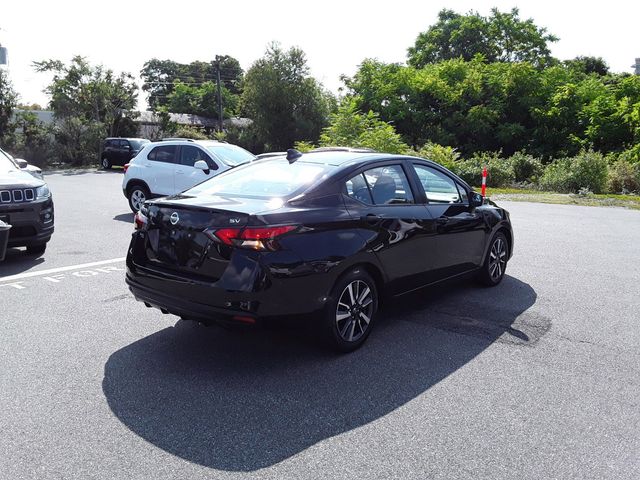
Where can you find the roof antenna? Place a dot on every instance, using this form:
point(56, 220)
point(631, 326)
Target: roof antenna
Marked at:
point(293, 155)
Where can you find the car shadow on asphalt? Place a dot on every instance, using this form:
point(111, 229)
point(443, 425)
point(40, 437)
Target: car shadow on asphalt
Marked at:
point(246, 400)
point(124, 217)
point(18, 261)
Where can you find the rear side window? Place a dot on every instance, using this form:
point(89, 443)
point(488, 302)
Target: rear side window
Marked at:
point(438, 187)
point(385, 186)
point(189, 155)
point(357, 188)
point(164, 153)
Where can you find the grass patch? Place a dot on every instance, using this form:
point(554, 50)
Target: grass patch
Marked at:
point(590, 200)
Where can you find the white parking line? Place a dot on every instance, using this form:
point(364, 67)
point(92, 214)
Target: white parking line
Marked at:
point(51, 271)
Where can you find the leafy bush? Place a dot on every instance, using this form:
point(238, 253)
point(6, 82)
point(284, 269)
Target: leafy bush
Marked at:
point(631, 155)
point(588, 169)
point(557, 176)
point(499, 170)
point(31, 140)
point(526, 168)
point(624, 177)
point(304, 146)
point(445, 156)
point(187, 131)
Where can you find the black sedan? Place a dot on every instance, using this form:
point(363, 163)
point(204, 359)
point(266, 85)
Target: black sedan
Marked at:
point(319, 235)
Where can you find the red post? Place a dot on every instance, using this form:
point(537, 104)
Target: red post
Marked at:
point(484, 181)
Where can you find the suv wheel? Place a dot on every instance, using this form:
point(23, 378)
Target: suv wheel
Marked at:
point(106, 163)
point(138, 194)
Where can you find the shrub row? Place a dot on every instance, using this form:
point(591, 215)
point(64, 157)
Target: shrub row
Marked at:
point(587, 171)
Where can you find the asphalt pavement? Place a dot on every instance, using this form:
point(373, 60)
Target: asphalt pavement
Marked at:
point(538, 378)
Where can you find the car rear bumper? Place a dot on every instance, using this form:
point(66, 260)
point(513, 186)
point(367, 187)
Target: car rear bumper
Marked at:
point(188, 297)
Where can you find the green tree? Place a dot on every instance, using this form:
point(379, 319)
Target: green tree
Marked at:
point(160, 78)
point(202, 100)
point(8, 102)
point(500, 37)
point(90, 102)
point(284, 102)
point(588, 65)
point(350, 128)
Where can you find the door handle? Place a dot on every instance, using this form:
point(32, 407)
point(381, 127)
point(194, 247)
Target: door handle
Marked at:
point(371, 218)
point(442, 220)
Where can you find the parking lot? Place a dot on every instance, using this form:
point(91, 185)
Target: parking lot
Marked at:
point(537, 378)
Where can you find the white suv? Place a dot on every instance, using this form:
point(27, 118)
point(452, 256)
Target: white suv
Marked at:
point(175, 165)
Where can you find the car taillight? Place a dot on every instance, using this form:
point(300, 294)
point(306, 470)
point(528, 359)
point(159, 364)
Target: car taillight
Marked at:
point(255, 238)
point(125, 167)
point(140, 221)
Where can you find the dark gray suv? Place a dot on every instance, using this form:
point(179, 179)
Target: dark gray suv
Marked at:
point(26, 205)
point(118, 151)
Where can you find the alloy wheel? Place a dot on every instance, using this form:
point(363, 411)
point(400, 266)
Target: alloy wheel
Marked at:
point(497, 258)
point(354, 310)
point(137, 199)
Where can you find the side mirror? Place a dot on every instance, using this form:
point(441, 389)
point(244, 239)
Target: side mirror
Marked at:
point(202, 165)
point(22, 163)
point(476, 199)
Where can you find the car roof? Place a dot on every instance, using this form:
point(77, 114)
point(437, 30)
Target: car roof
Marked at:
point(126, 138)
point(353, 158)
point(186, 141)
point(338, 158)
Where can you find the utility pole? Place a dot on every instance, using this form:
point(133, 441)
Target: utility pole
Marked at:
point(220, 125)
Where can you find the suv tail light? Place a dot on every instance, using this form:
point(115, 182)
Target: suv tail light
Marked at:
point(125, 167)
point(254, 238)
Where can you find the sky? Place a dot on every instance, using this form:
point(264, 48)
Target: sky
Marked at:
point(335, 35)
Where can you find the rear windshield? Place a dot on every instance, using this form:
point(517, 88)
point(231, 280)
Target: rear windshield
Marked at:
point(137, 144)
point(230, 154)
point(264, 179)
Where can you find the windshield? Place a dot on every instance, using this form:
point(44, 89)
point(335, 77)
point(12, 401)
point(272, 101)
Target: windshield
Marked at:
point(231, 154)
point(6, 164)
point(264, 179)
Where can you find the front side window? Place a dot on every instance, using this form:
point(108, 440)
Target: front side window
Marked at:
point(386, 185)
point(189, 155)
point(164, 153)
point(438, 187)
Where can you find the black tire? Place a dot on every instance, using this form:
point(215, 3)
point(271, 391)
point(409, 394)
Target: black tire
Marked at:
point(492, 271)
point(36, 249)
point(137, 194)
point(347, 333)
point(105, 163)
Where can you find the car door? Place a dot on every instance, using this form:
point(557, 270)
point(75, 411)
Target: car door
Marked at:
point(398, 229)
point(124, 151)
point(159, 169)
point(186, 175)
point(111, 150)
point(461, 228)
